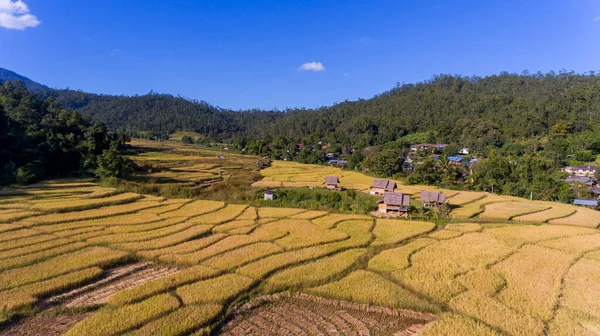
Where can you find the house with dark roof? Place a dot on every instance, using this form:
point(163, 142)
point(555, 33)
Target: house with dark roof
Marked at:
point(331, 182)
point(581, 179)
point(596, 192)
point(394, 202)
point(432, 199)
point(270, 195)
point(381, 186)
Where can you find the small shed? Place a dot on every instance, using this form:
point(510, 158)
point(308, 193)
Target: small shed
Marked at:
point(455, 160)
point(432, 199)
point(381, 186)
point(331, 182)
point(270, 195)
point(586, 203)
point(394, 202)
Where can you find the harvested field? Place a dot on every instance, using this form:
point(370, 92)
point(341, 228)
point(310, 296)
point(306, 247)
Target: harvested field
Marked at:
point(114, 281)
point(43, 325)
point(301, 314)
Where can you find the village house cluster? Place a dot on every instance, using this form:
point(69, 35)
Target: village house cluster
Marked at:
point(584, 175)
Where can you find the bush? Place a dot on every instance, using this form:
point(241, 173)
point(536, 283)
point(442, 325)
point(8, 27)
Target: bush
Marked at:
point(30, 172)
point(111, 164)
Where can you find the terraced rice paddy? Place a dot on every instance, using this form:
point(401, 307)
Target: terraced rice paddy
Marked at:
point(147, 265)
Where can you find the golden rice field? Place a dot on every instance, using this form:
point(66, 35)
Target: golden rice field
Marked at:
point(533, 271)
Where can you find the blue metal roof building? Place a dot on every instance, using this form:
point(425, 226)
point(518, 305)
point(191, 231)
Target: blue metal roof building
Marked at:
point(585, 203)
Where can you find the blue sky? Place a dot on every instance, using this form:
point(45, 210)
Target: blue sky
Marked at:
point(248, 54)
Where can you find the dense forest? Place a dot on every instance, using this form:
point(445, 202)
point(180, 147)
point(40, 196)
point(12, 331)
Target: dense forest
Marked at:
point(472, 111)
point(39, 139)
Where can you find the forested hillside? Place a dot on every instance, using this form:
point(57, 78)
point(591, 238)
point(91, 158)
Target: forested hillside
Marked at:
point(38, 139)
point(471, 111)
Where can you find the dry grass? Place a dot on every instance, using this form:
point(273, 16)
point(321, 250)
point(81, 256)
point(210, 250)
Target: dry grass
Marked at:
point(445, 234)
point(329, 221)
point(15, 216)
point(474, 208)
point(316, 272)
point(533, 278)
point(110, 321)
point(221, 246)
point(39, 256)
point(390, 231)
point(260, 269)
point(278, 212)
point(153, 226)
point(103, 212)
point(18, 234)
point(575, 244)
point(508, 210)
point(496, 314)
point(233, 225)
point(182, 248)
point(556, 211)
point(568, 322)
point(295, 233)
point(72, 205)
point(582, 288)
point(249, 214)
point(398, 258)
point(454, 325)
point(242, 255)
point(195, 208)
point(13, 244)
point(15, 299)
point(481, 280)
point(218, 290)
point(121, 220)
point(464, 227)
point(124, 237)
point(527, 234)
point(173, 239)
point(161, 285)
point(583, 217)
point(33, 248)
point(435, 266)
point(370, 288)
point(358, 231)
point(93, 256)
point(464, 197)
point(181, 321)
point(309, 215)
point(226, 214)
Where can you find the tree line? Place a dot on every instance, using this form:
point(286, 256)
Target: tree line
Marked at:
point(39, 139)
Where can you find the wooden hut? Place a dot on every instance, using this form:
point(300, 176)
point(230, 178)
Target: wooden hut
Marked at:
point(381, 186)
point(432, 199)
point(269, 195)
point(331, 182)
point(394, 202)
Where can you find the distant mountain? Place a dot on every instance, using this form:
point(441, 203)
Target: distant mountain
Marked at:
point(472, 111)
point(7, 75)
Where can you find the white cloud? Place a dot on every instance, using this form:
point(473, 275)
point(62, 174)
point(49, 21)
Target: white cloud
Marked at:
point(597, 18)
point(312, 66)
point(16, 15)
point(113, 52)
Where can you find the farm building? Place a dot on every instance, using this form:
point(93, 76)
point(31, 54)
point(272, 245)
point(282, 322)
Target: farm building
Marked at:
point(425, 146)
point(394, 202)
point(270, 195)
point(455, 160)
point(381, 186)
point(331, 182)
point(464, 151)
point(588, 170)
point(596, 191)
point(586, 203)
point(432, 199)
point(581, 179)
